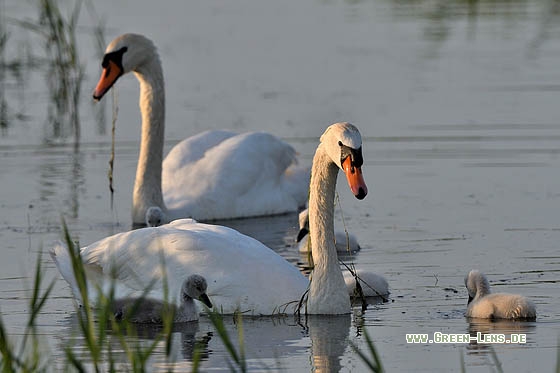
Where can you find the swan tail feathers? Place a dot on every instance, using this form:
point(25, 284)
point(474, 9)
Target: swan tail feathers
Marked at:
point(523, 309)
point(61, 257)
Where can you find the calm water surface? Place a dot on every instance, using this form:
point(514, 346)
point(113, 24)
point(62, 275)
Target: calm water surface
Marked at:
point(458, 105)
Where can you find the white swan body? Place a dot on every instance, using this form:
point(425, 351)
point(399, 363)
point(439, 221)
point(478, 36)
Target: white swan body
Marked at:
point(344, 244)
point(213, 175)
point(372, 284)
point(483, 304)
point(147, 310)
point(249, 174)
point(242, 274)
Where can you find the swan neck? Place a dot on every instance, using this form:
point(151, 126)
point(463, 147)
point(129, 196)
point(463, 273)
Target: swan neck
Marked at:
point(327, 293)
point(187, 311)
point(147, 187)
point(482, 287)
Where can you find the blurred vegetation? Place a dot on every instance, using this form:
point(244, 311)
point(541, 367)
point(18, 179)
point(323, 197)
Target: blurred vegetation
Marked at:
point(64, 70)
point(103, 336)
point(31, 353)
point(59, 61)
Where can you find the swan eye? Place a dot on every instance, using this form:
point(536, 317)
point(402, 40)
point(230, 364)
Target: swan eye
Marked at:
point(115, 56)
point(340, 143)
point(354, 154)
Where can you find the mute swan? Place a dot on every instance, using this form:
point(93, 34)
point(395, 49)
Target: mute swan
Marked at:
point(146, 310)
point(243, 274)
point(342, 243)
point(484, 305)
point(213, 175)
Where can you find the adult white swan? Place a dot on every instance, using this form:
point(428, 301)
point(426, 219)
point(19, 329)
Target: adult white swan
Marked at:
point(213, 175)
point(241, 272)
point(486, 305)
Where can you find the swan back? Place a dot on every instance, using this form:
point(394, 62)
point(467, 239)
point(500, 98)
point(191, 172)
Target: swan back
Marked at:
point(237, 175)
point(483, 304)
point(241, 272)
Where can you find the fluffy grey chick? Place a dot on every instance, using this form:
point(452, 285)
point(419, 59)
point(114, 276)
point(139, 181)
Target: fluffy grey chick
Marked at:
point(147, 310)
point(486, 305)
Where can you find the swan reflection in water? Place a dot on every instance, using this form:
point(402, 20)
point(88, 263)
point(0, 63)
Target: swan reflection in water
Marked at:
point(316, 343)
point(486, 327)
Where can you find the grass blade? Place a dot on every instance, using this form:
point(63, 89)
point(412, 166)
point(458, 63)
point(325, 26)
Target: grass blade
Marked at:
point(373, 361)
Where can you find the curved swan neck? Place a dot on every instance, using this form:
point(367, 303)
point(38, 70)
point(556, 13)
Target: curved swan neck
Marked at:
point(327, 293)
point(147, 187)
point(482, 286)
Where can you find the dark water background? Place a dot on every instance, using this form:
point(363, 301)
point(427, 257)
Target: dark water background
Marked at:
point(458, 105)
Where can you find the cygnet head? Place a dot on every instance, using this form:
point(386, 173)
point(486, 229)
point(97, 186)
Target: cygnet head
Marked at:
point(155, 216)
point(343, 143)
point(195, 287)
point(477, 285)
point(303, 225)
point(126, 53)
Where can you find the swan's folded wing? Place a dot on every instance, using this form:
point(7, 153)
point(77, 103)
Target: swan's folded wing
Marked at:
point(244, 175)
point(192, 149)
point(240, 270)
point(129, 258)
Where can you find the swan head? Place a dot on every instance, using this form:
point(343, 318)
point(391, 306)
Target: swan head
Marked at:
point(477, 285)
point(343, 143)
point(155, 217)
point(195, 287)
point(126, 53)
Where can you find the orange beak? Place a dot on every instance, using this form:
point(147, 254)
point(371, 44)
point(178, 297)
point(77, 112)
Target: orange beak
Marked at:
point(355, 178)
point(109, 76)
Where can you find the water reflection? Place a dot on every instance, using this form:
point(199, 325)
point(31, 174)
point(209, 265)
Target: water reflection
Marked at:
point(487, 326)
point(329, 340)
point(324, 339)
point(186, 337)
point(59, 62)
point(61, 182)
